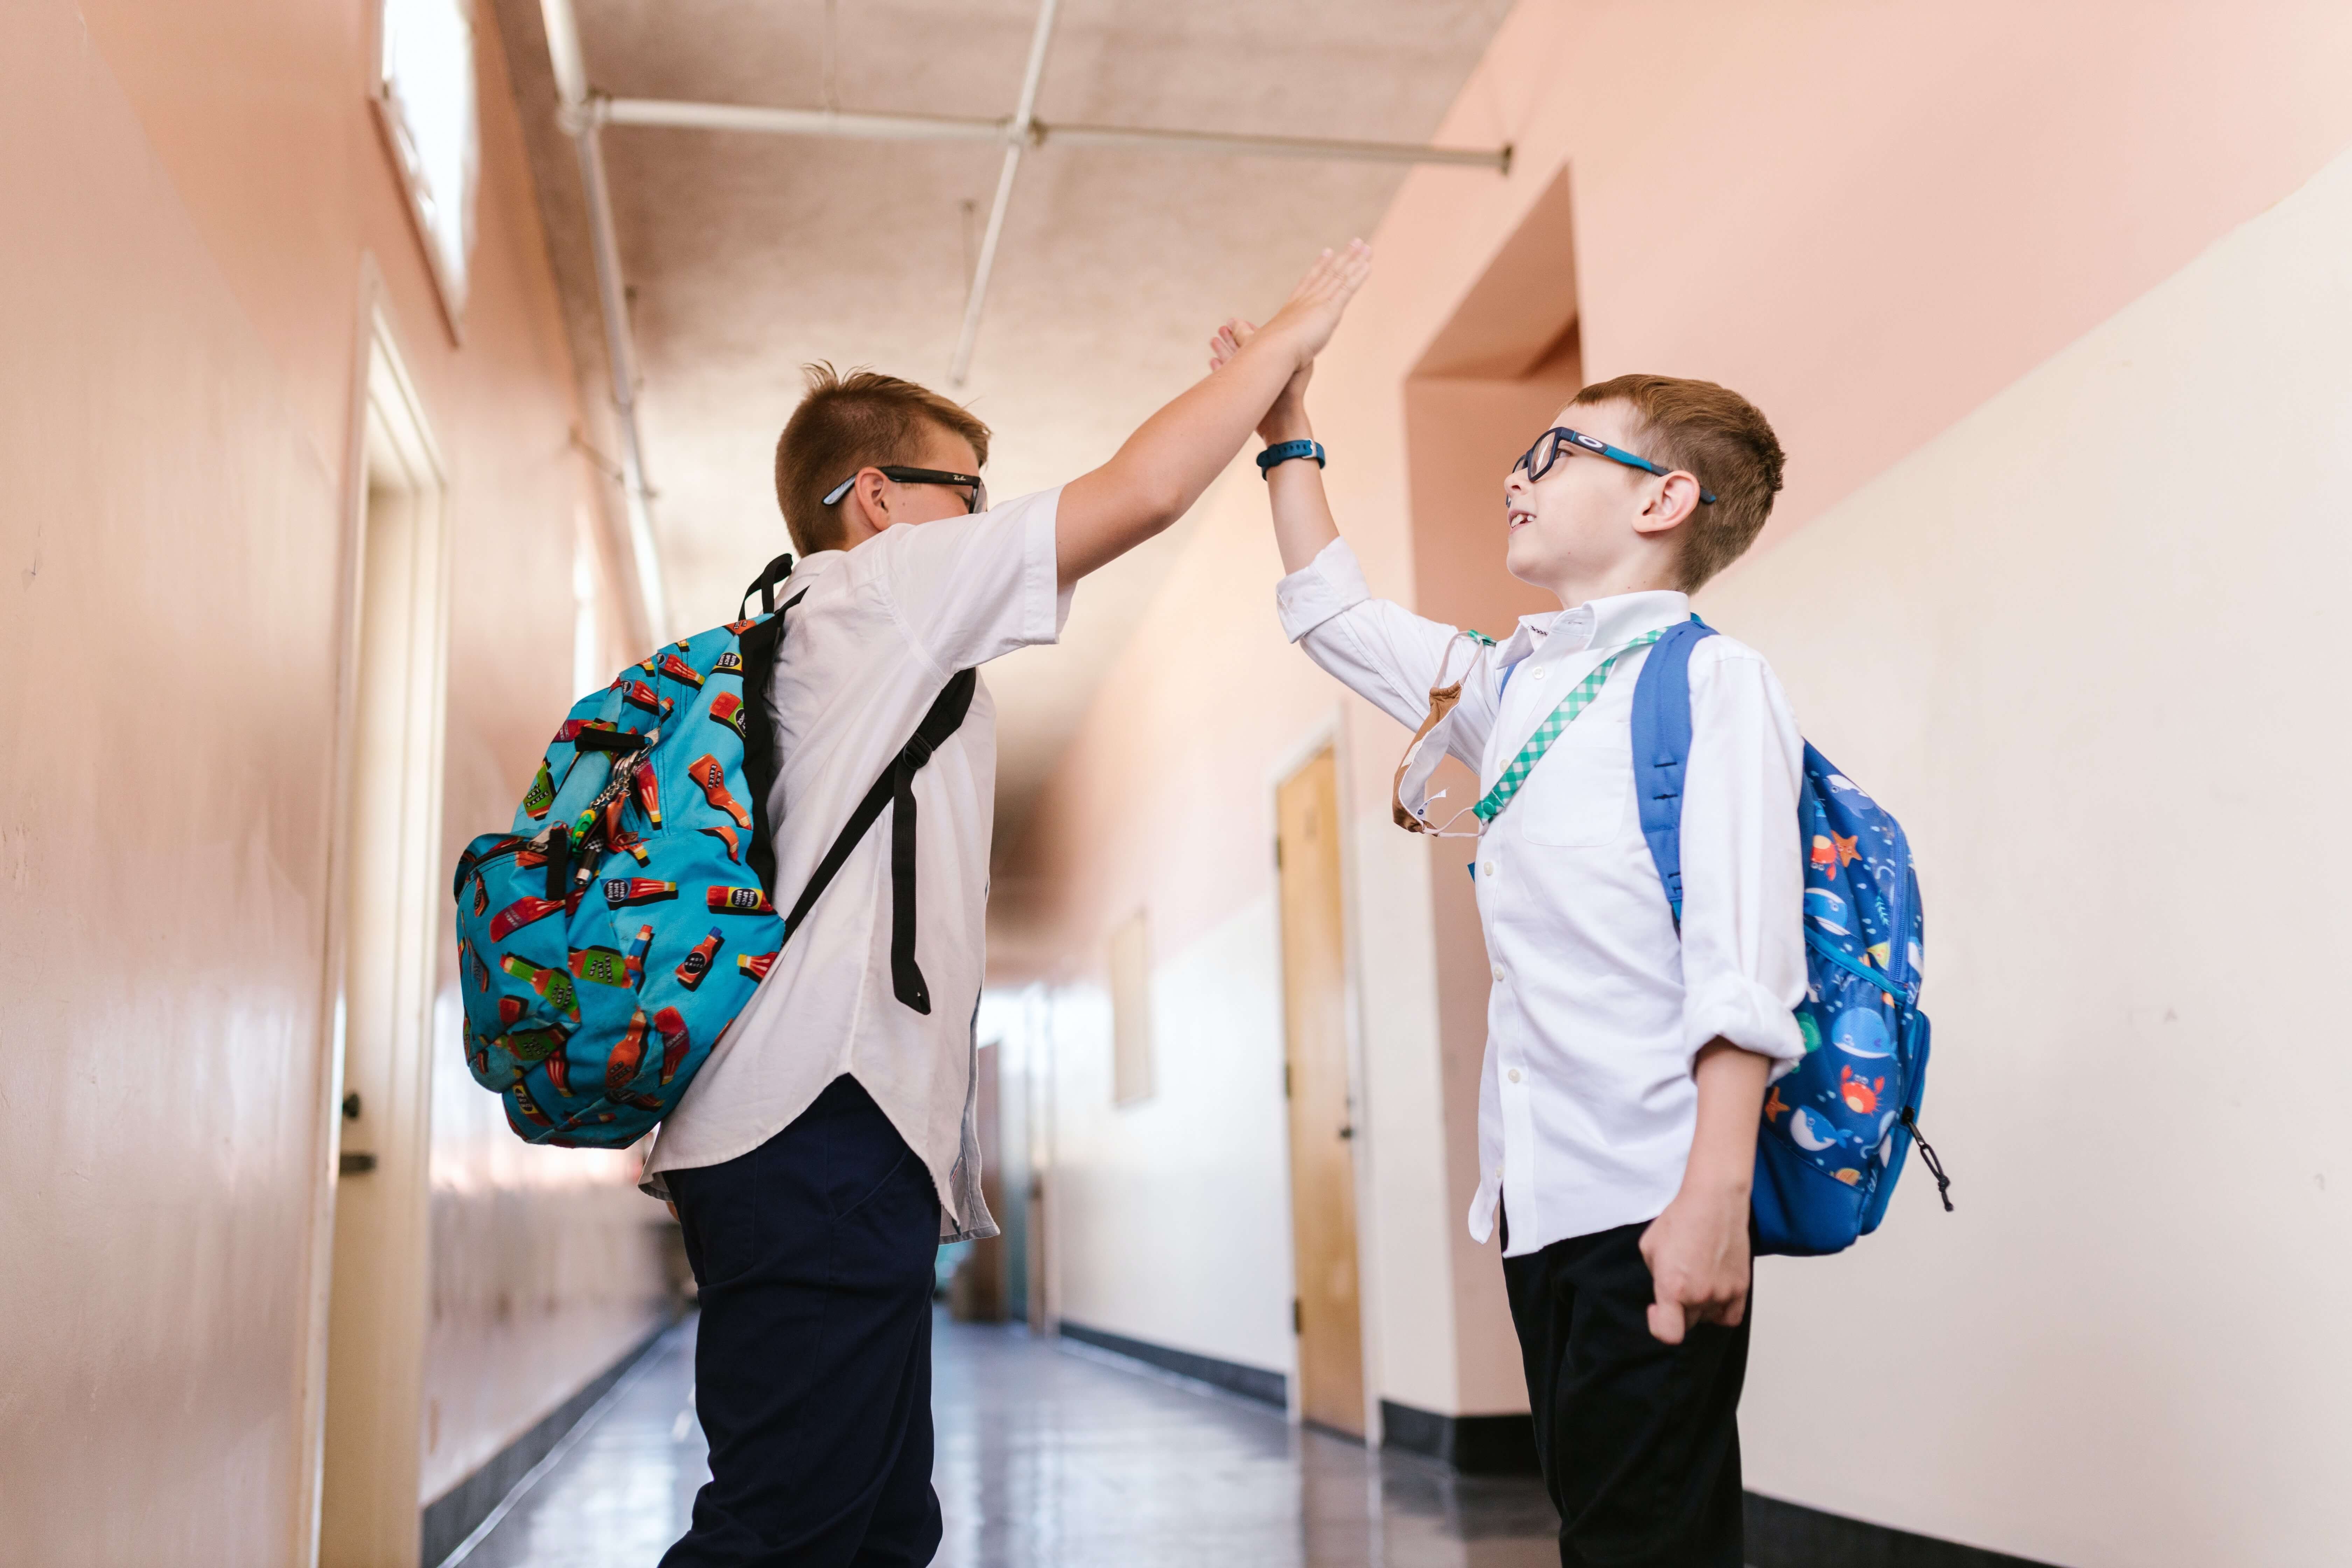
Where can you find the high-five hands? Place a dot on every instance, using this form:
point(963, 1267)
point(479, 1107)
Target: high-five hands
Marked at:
point(1307, 320)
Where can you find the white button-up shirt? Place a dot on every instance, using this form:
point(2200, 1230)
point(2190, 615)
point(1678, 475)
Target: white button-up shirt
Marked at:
point(1586, 1102)
point(882, 629)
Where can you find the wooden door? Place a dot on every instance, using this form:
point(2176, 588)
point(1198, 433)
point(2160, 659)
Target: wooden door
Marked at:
point(1322, 1130)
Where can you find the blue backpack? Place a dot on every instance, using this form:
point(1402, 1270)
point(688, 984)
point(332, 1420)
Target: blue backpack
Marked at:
point(1837, 1126)
point(610, 937)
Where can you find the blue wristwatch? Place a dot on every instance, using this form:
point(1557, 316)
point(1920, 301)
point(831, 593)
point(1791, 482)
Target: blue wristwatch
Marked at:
point(1282, 451)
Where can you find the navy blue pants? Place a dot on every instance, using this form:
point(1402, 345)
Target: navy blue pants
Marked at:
point(812, 1369)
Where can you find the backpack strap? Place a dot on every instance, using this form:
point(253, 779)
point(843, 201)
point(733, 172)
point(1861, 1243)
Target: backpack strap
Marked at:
point(1662, 742)
point(771, 577)
point(895, 787)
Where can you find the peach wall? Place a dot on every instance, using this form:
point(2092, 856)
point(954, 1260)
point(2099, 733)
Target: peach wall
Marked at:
point(190, 192)
point(1872, 220)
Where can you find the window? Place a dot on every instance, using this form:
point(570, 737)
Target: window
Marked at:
point(1131, 1012)
point(590, 671)
point(424, 102)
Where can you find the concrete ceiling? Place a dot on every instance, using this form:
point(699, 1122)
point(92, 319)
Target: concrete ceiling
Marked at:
point(749, 255)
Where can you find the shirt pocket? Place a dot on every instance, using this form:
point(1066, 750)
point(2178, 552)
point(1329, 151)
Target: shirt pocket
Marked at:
point(1576, 798)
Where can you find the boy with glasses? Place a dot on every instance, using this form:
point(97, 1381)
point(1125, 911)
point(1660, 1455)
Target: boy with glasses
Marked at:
point(1626, 1061)
point(827, 1145)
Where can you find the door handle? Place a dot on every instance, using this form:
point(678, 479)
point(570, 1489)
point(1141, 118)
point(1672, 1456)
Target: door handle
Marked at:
point(354, 1164)
point(1346, 1132)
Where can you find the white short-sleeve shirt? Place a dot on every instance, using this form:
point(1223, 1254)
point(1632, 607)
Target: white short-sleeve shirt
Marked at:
point(880, 631)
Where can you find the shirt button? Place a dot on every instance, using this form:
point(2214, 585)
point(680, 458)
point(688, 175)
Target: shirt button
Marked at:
point(1515, 1075)
point(1498, 972)
point(1498, 1172)
point(1536, 674)
point(1490, 867)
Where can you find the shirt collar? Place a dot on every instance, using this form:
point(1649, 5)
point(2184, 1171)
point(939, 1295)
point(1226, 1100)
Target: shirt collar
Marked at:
point(1596, 623)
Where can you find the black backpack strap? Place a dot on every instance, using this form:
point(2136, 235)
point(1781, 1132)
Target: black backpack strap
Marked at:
point(765, 584)
point(759, 646)
point(894, 786)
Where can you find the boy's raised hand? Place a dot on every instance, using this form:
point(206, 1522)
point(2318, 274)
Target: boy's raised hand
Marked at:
point(1287, 419)
point(1162, 468)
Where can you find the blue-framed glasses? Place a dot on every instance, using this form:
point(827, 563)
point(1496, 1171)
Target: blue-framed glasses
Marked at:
point(1540, 458)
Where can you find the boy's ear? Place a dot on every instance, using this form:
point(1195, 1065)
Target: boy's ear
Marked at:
point(1671, 501)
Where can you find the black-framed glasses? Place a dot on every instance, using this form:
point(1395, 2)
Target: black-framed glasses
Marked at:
point(1538, 459)
point(976, 501)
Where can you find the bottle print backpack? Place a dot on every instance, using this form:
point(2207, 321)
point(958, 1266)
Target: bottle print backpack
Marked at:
point(610, 937)
point(1836, 1128)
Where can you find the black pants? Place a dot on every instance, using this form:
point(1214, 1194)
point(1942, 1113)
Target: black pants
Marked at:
point(812, 1371)
point(1639, 1440)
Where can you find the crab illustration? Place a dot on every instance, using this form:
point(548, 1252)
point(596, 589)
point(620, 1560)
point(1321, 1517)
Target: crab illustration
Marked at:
point(1860, 1098)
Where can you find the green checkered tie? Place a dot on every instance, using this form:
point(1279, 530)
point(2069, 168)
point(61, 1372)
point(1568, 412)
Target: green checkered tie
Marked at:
point(1559, 719)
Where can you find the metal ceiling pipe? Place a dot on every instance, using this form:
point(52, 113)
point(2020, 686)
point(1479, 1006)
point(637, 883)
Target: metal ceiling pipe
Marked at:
point(795, 121)
point(581, 122)
point(1218, 142)
point(1016, 136)
point(947, 128)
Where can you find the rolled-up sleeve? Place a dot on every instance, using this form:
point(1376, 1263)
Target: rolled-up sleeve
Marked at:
point(1384, 652)
point(1743, 871)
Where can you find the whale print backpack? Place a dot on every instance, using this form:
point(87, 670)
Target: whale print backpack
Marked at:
point(1837, 1127)
point(612, 934)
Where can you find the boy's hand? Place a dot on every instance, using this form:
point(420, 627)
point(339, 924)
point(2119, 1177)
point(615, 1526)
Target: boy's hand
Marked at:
point(1697, 1249)
point(1311, 314)
point(1287, 419)
point(1697, 1253)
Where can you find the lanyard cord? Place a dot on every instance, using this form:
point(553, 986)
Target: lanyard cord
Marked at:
point(1492, 803)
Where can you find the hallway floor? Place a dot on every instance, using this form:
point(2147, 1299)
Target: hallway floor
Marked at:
point(1050, 1455)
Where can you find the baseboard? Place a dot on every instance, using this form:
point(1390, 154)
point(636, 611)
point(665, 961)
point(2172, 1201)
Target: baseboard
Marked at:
point(449, 1519)
point(1249, 1381)
point(1790, 1535)
point(1472, 1444)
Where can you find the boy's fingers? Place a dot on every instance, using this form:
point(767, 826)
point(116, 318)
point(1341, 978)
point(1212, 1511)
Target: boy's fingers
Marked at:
point(1666, 1322)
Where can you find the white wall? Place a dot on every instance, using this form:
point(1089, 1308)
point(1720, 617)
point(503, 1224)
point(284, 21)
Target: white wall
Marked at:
point(2085, 644)
point(1170, 1218)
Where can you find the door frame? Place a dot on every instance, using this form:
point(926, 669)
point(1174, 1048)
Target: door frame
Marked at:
point(381, 386)
point(1333, 731)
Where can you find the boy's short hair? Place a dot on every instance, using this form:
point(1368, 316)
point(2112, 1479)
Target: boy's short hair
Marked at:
point(851, 422)
point(1720, 436)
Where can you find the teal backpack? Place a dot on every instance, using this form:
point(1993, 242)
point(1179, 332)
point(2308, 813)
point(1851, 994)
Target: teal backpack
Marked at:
point(609, 938)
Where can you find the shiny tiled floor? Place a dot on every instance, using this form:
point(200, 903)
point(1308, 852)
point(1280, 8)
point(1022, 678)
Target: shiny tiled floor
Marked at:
point(1053, 1456)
